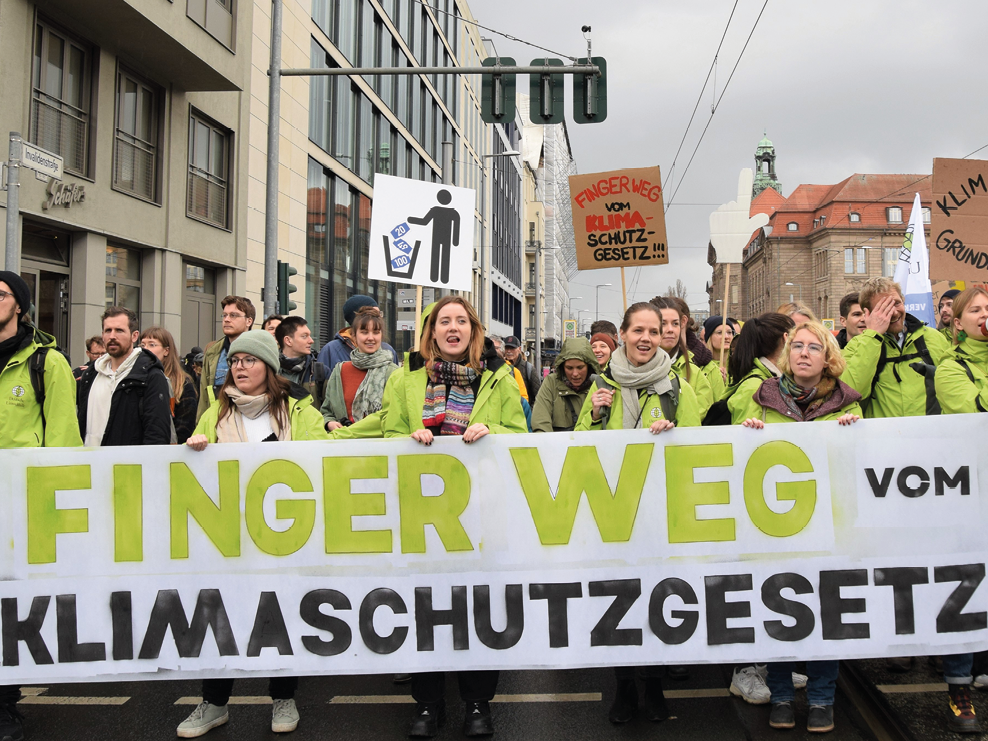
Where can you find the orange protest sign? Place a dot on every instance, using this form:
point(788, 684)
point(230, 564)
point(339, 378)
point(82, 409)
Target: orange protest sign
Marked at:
point(618, 218)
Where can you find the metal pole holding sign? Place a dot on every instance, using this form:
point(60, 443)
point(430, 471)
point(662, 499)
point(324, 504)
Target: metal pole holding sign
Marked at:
point(271, 186)
point(12, 251)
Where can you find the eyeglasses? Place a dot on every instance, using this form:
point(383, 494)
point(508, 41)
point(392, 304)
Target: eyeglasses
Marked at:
point(233, 316)
point(4, 294)
point(150, 344)
point(247, 361)
point(813, 349)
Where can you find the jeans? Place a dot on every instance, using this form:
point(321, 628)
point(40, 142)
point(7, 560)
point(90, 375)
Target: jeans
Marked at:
point(217, 691)
point(821, 683)
point(475, 686)
point(957, 668)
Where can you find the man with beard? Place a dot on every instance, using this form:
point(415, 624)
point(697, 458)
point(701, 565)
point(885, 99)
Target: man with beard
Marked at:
point(37, 412)
point(124, 398)
point(892, 362)
point(297, 364)
point(945, 312)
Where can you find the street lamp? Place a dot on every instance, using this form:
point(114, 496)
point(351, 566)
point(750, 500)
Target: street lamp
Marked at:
point(596, 308)
point(800, 292)
point(571, 300)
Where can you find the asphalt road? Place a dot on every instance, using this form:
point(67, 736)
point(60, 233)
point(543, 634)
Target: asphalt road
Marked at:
point(568, 705)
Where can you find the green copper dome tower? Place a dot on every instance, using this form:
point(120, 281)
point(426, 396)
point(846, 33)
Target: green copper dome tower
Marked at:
point(765, 168)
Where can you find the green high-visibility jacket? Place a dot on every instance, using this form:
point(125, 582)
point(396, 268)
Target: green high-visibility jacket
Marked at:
point(687, 412)
point(304, 419)
point(716, 379)
point(962, 378)
point(899, 389)
point(497, 403)
point(739, 395)
point(844, 401)
point(698, 381)
point(21, 422)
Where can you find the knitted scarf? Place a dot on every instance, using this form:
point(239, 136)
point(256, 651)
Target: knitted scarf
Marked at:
point(370, 393)
point(449, 397)
point(653, 377)
point(801, 402)
point(230, 429)
point(587, 382)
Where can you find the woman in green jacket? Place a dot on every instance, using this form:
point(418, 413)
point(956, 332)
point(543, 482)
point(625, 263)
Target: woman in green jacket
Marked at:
point(456, 385)
point(755, 356)
point(962, 387)
point(642, 391)
point(355, 391)
point(808, 390)
point(673, 341)
point(560, 399)
point(254, 404)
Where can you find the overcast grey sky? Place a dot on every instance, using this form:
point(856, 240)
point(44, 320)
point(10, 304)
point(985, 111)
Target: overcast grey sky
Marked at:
point(867, 86)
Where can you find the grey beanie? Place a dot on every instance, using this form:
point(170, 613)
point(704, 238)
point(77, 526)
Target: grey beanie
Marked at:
point(260, 344)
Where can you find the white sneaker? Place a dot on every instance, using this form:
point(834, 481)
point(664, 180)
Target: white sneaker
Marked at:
point(980, 682)
point(748, 684)
point(798, 680)
point(203, 719)
point(284, 716)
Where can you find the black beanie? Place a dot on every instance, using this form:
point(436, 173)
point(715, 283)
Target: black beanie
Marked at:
point(22, 294)
point(355, 304)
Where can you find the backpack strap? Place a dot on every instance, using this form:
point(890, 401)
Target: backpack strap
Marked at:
point(967, 369)
point(36, 368)
point(669, 401)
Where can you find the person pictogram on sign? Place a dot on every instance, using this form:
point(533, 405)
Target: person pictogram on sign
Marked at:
point(445, 233)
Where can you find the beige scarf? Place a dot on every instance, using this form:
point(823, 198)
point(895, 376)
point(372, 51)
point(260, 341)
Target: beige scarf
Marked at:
point(230, 429)
point(652, 376)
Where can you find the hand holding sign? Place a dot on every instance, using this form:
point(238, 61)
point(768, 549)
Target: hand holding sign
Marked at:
point(730, 224)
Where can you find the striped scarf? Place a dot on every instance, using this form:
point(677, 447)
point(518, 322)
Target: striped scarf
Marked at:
point(449, 397)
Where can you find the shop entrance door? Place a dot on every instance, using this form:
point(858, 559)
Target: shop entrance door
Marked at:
point(50, 296)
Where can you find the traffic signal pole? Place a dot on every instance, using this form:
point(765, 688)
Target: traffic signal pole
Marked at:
point(271, 190)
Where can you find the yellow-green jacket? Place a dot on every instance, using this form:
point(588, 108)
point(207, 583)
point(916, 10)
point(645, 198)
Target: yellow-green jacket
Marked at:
point(21, 423)
point(304, 419)
point(714, 377)
point(698, 381)
point(766, 404)
point(740, 394)
point(899, 390)
point(687, 413)
point(497, 403)
point(962, 378)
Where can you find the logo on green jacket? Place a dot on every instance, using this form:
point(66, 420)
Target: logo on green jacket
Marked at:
point(656, 412)
point(17, 391)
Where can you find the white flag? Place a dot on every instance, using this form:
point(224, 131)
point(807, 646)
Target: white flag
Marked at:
point(913, 269)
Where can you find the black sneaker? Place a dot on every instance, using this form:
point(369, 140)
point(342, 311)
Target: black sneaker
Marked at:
point(11, 728)
point(782, 716)
point(655, 701)
point(678, 672)
point(821, 719)
point(428, 718)
point(625, 702)
point(961, 717)
point(477, 719)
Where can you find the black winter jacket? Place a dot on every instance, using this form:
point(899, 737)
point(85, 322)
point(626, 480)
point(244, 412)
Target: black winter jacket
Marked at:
point(140, 409)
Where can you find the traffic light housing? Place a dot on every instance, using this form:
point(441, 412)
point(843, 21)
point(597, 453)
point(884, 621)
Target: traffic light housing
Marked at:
point(590, 93)
point(286, 289)
point(498, 93)
point(546, 93)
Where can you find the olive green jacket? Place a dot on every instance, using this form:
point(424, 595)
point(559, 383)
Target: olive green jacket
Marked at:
point(557, 406)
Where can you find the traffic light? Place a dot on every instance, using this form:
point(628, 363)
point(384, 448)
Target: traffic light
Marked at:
point(498, 93)
point(546, 94)
point(590, 93)
point(285, 289)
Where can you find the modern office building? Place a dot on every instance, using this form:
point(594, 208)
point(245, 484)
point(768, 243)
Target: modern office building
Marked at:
point(145, 102)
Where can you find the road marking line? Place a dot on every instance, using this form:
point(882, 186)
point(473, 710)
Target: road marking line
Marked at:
point(906, 689)
point(50, 700)
point(551, 697)
point(372, 700)
point(691, 694)
point(241, 700)
point(31, 691)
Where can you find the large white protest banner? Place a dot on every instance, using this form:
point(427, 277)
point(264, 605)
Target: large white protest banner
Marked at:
point(421, 233)
point(518, 551)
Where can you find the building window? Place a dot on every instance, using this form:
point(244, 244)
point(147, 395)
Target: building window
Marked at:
point(855, 260)
point(894, 214)
point(199, 279)
point(854, 218)
point(123, 278)
point(208, 171)
point(215, 16)
point(890, 259)
point(135, 144)
point(926, 214)
point(60, 97)
point(792, 226)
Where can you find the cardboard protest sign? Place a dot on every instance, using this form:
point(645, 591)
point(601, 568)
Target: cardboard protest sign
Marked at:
point(421, 233)
point(959, 220)
point(515, 552)
point(618, 219)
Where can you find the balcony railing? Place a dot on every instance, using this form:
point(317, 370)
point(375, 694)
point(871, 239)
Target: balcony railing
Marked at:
point(529, 289)
point(531, 246)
